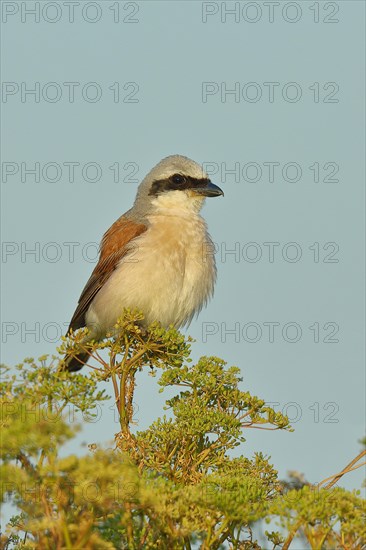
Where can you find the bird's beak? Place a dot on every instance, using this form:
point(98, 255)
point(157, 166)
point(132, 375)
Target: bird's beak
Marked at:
point(209, 189)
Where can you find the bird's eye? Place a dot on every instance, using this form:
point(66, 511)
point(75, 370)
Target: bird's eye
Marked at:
point(178, 179)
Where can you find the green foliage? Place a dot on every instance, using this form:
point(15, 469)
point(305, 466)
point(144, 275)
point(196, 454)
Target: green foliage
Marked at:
point(174, 485)
point(190, 446)
point(320, 512)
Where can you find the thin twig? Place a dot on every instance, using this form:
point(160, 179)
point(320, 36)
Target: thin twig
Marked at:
point(345, 470)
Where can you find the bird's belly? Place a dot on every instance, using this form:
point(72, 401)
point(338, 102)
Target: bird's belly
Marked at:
point(168, 275)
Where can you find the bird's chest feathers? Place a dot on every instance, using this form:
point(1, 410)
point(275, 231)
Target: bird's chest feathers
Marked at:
point(168, 273)
point(175, 249)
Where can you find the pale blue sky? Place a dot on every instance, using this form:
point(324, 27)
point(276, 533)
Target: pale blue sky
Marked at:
point(168, 54)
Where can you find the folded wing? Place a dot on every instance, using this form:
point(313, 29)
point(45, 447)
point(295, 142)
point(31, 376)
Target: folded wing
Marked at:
point(115, 244)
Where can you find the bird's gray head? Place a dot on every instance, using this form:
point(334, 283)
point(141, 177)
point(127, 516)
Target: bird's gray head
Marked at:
point(175, 182)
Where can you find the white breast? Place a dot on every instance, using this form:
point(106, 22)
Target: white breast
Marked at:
point(169, 274)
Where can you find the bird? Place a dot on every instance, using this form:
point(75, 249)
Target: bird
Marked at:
point(156, 258)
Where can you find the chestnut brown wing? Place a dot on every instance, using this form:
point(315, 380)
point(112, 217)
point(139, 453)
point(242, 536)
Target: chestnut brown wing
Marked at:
point(113, 247)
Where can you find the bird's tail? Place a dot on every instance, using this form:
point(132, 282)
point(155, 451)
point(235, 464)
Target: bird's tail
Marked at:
point(74, 363)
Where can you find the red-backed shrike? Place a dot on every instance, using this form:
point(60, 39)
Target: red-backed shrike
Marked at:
point(154, 257)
